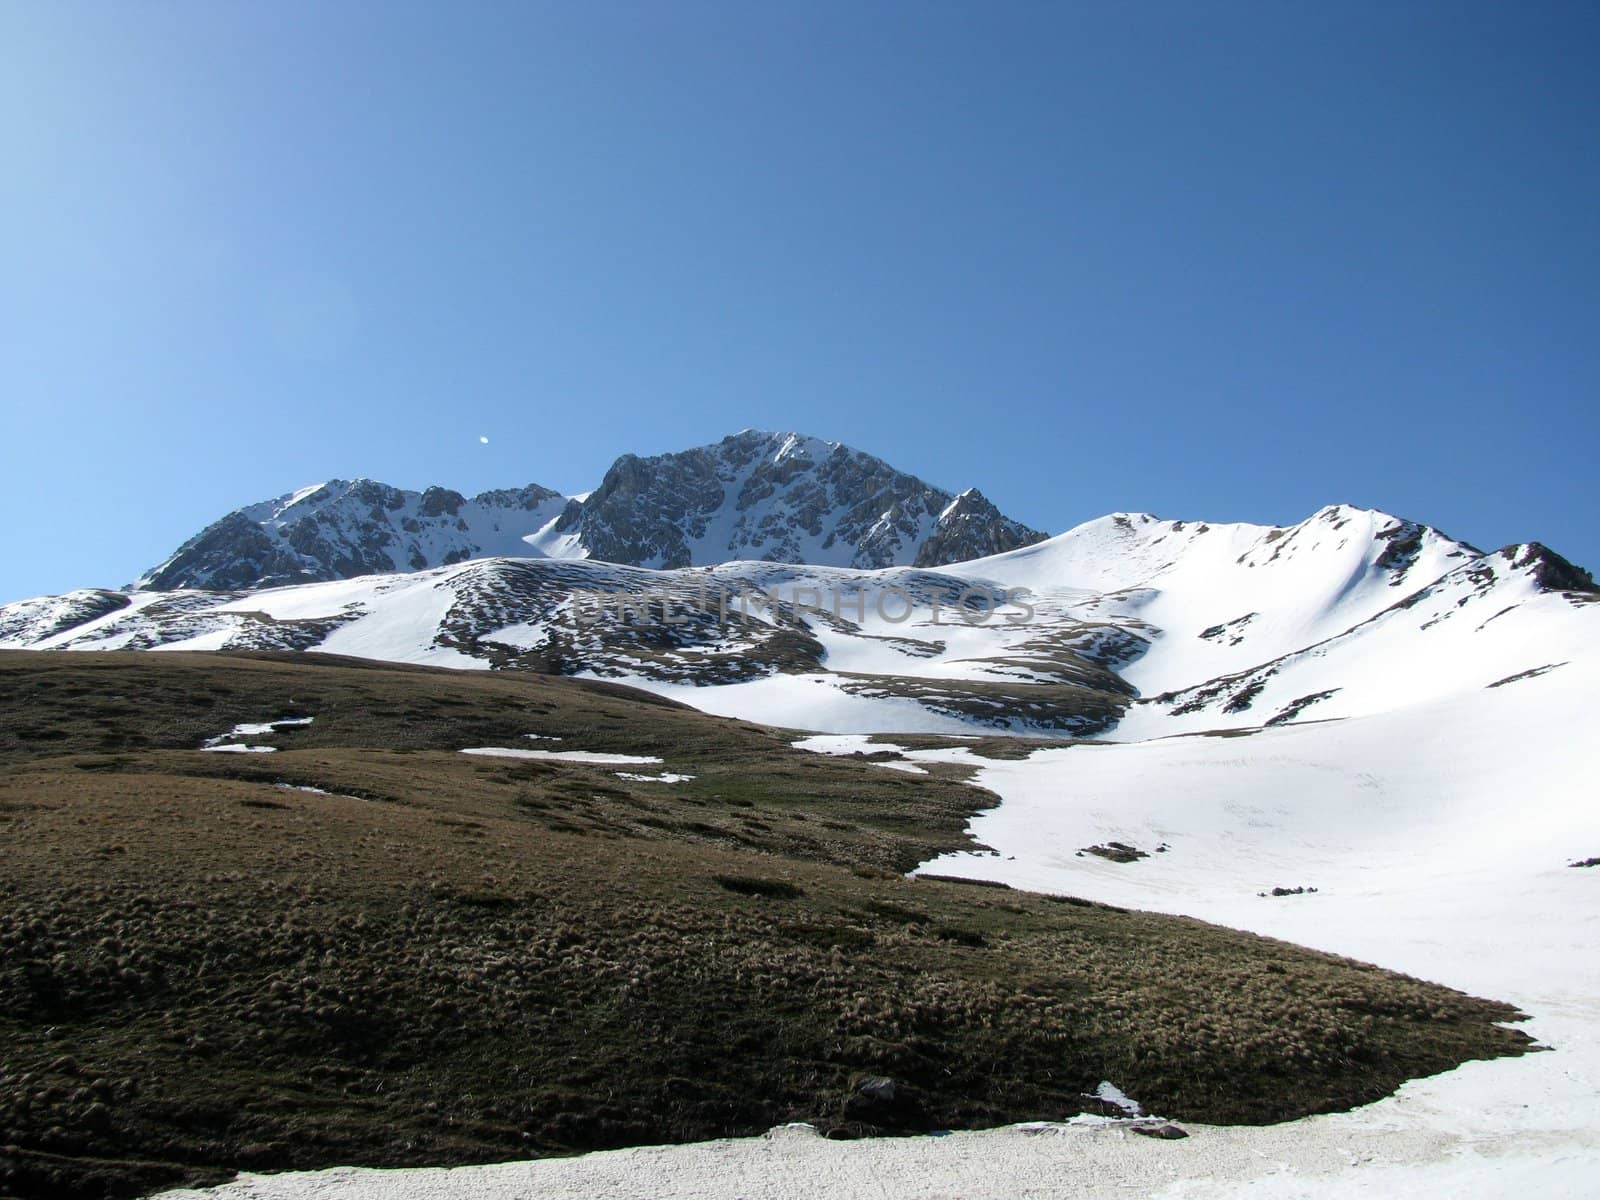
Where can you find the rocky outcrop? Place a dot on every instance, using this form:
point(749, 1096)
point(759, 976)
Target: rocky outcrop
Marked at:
point(971, 527)
point(782, 497)
point(1549, 570)
point(765, 496)
point(341, 530)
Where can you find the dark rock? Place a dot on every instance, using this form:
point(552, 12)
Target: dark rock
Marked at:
point(878, 1102)
point(1166, 1131)
point(438, 501)
point(1117, 852)
point(1099, 1106)
point(877, 1089)
point(1549, 570)
point(972, 527)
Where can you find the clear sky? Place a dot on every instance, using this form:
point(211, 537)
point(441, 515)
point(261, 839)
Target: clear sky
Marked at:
point(1221, 261)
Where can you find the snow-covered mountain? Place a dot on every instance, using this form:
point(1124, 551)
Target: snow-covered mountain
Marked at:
point(1355, 732)
point(1350, 611)
point(340, 529)
point(1127, 626)
point(1385, 724)
point(774, 497)
point(777, 497)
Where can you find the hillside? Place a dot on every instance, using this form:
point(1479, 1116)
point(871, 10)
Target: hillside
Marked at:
point(315, 932)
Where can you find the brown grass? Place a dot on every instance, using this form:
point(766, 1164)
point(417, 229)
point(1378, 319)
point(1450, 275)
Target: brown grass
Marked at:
point(456, 959)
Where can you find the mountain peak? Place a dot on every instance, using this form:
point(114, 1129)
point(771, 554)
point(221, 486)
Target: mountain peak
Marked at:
point(778, 497)
point(1548, 569)
point(756, 494)
point(970, 527)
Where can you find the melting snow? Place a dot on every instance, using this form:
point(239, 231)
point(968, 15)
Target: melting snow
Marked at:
point(856, 743)
point(262, 727)
point(225, 741)
point(577, 756)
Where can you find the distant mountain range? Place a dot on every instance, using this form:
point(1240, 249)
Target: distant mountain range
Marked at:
point(770, 497)
point(1128, 624)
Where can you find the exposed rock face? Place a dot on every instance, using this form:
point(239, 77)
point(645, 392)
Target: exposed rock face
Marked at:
point(1552, 572)
point(782, 498)
point(235, 552)
point(971, 527)
point(340, 530)
point(763, 496)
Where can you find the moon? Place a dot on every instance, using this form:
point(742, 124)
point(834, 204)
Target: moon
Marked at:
point(484, 440)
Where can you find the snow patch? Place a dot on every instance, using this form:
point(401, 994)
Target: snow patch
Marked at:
point(227, 741)
point(576, 756)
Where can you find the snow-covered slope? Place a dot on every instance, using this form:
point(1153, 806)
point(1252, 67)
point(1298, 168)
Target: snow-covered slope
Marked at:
point(35, 622)
point(1223, 597)
point(1491, 620)
point(901, 645)
point(1153, 627)
point(777, 497)
point(339, 529)
point(1438, 840)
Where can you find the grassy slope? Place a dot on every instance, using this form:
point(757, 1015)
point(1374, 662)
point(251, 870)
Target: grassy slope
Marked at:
point(459, 959)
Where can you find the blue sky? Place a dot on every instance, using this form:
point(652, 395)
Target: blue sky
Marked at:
point(1222, 262)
